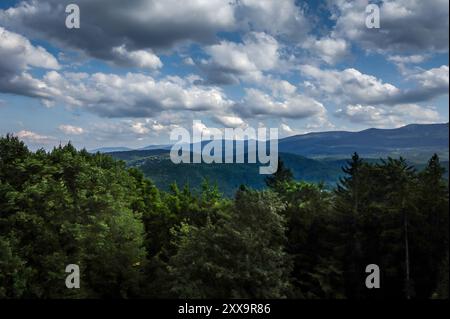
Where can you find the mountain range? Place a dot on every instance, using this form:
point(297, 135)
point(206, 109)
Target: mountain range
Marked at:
point(313, 157)
point(415, 142)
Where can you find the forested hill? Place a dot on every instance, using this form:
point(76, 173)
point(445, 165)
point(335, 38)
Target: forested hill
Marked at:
point(156, 165)
point(315, 157)
point(417, 142)
point(292, 239)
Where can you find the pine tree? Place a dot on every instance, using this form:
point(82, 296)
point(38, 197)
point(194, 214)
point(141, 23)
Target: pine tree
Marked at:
point(349, 196)
point(281, 176)
point(239, 256)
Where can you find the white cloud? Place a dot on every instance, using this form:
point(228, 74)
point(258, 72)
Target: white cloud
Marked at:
point(128, 131)
point(286, 130)
point(18, 53)
point(71, 130)
point(382, 116)
point(408, 59)
point(132, 95)
point(328, 49)
point(353, 87)
point(348, 85)
point(231, 62)
point(34, 138)
point(138, 58)
point(230, 121)
point(258, 103)
point(18, 56)
point(188, 61)
point(436, 78)
point(404, 61)
point(279, 88)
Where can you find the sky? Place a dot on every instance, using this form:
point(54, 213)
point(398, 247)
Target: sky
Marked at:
point(136, 70)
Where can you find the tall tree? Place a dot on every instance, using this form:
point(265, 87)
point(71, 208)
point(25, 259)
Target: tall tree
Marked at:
point(281, 176)
point(239, 256)
point(349, 199)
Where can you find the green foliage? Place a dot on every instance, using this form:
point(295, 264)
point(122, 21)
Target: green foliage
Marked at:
point(394, 217)
point(312, 234)
point(295, 240)
point(238, 256)
point(68, 207)
point(281, 176)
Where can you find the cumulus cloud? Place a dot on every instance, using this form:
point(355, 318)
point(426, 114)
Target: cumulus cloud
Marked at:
point(408, 59)
point(258, 103)
point(231, 62)
point(230, 121)
point(348, 85)
point(33, 138)
point(353, 87)
point(286, 130)
point(71, 130)
point(189, 61)
point(19, 53)
point(405, 25)
point(404, 61)
point(140, 25)
point(139, 95)
point(138, 58)
point(114, 132)
point(18, 56)
point(330, 50)
point(436, 78)
point(429, 84)
point(133, 94)
point(137, 24)
point(279, 18)
point(381, 116)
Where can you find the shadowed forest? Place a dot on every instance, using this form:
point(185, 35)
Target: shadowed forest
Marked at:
point(291, 240)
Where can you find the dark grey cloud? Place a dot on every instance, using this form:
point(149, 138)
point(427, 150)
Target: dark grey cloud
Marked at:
point(124, 31)
point(405, 25)
point(109, 24)
point(219, 75)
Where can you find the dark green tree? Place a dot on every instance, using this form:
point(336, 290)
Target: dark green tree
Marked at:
point(239, 256)
point(280, 177)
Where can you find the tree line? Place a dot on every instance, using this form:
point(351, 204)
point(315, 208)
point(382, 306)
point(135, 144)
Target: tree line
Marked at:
point(291, 240)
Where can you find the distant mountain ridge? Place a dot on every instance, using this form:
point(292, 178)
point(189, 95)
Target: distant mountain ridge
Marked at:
point(417, 142)
point(314, 157)
point(110, 149)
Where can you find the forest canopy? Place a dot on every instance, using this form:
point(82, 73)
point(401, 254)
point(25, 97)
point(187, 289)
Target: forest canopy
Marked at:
point(291, 240)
